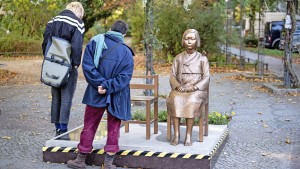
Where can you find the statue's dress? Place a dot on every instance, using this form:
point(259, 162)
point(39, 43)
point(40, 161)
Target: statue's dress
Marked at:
point(188, 70)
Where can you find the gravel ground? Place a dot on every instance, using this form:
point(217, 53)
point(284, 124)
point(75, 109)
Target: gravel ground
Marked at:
point(264, 133)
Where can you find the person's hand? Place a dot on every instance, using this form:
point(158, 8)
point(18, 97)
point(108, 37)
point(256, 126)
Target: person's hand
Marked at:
point(101, 90)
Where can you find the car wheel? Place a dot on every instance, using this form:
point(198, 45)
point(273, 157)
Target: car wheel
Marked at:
point(276, 46)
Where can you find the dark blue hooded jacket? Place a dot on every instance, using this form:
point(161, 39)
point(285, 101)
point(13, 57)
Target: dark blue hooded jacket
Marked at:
point(113, 74)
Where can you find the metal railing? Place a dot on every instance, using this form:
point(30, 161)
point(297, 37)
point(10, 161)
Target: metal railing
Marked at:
point(248, 60)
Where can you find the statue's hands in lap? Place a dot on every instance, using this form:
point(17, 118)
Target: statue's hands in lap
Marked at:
point(184, 89)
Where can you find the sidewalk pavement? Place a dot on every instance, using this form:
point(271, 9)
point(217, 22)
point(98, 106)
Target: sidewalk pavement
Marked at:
point(275, 64)
point(264, 133)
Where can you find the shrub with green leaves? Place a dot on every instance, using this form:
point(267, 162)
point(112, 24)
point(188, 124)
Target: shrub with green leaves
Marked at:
point(171, 23)
point(162, 116)
point(141, 115)
point(218, 118)
point(14, 43)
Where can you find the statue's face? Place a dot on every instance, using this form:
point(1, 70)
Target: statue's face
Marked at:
point(190, 41)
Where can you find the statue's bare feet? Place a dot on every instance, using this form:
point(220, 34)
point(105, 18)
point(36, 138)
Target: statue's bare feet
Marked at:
point(188, 141)
point(175, 141)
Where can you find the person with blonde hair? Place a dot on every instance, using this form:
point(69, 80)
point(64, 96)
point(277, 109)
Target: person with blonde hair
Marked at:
point(76, 8)
point(69, 26)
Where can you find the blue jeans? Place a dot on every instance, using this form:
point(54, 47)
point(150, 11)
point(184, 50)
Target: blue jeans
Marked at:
point(62, 99)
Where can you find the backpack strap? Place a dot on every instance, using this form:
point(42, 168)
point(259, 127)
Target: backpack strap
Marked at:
point(108, 52)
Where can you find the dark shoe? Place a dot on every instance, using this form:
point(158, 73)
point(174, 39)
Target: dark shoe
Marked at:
point(57, 132)
point(108, 161)
point(78, 163)
point(64, 135)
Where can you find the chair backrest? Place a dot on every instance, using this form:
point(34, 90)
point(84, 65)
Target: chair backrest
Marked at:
point(153, 86)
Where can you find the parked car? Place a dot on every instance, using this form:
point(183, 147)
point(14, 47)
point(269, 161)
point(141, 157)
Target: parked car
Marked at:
point(296, 41)
point(272, 34)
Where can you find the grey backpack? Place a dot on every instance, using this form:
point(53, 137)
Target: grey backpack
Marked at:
point(57, 63)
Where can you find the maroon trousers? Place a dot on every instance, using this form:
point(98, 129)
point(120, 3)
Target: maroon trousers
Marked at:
point(92, 118)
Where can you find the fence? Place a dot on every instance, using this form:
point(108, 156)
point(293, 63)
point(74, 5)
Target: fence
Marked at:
point(247, 60)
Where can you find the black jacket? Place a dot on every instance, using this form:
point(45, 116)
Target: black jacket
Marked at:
point(67, 26)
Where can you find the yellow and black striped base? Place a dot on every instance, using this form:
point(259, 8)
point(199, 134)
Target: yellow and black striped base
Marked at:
point(130, 158)
point(137, 158)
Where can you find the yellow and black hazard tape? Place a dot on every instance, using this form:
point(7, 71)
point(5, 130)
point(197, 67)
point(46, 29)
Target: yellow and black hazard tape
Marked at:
point(219, 143)
point(131, 153)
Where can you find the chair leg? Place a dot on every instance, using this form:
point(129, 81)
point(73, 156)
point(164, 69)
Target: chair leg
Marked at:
point(201, 127)
point(126, 124)
point(148, 116)
point(206, 120)
point(156, 117)
point(168, 127)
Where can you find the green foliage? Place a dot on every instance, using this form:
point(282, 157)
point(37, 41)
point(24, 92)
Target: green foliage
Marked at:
point(162, 115)
point(96, 29)
point(92, 12)
point(136, 20)
point(218, 118)
point(141, 116)
point(210, 25)
point(271, 52)
point(171, 23)
point(214, 117)
point(14, 43)
point(251, 40)
point(21, 16)
point(218, 57)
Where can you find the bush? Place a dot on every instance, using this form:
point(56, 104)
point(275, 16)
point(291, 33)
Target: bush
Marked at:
point(11, 43)
point(214, 117)
point(172, 23)
point(219, 118)
point(141, 116)
point(162, 116)
point(251, 40)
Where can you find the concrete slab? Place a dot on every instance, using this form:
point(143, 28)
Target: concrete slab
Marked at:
point(279, 89)
point(136, 151)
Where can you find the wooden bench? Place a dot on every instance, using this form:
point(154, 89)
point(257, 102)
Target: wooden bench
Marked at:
point(203, 122)
point(149, 100)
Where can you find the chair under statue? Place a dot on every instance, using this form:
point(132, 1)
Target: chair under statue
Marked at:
point(203, 121)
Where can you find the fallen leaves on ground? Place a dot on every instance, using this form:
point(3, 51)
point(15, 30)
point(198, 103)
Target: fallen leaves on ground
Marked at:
point(295, 94)
point(6, 75)
point(253, 78)
point(6, 137)
point(262, 89)
point(8, 78)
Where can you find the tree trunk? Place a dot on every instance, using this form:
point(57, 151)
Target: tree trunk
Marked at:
point(148, 41)
point(290, 78)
